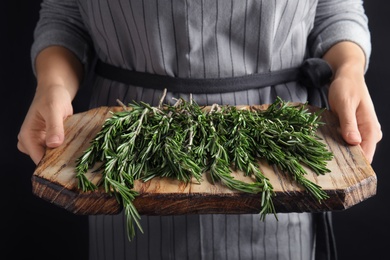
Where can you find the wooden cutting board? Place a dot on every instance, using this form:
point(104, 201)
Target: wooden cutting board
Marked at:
point(351, 180)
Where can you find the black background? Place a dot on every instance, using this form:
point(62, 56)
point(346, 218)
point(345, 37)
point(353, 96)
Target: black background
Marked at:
point(30, 226)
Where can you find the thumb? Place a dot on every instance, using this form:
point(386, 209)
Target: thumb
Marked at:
point(54, 130)
point(348, 126)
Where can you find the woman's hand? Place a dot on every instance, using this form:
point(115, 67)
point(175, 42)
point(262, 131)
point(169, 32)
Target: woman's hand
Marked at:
point(43, 124)
point(350, 100)
point(59, 73)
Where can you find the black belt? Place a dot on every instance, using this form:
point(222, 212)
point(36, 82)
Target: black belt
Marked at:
point(313, 72)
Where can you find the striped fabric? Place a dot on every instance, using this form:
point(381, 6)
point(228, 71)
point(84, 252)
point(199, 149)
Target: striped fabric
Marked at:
point(194, 237)
point(201, 39)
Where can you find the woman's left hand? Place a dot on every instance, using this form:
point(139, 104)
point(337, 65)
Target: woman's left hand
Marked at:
point(350, 100)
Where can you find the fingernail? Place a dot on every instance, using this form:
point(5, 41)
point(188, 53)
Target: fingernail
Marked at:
point(55, 139)
point(354, 137)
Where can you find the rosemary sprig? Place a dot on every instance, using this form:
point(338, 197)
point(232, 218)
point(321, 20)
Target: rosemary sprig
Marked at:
point(182, 141)
point(125, 195)
point(243, 156)
point(219, 162)
point(172, 159)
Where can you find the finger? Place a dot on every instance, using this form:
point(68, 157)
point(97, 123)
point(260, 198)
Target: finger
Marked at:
point(54, 130)
point(31, 148)
point(21, 147)
point(369, 144)
point(348, 126)
point(368, 148)
point(37, 154)
point(371, 138)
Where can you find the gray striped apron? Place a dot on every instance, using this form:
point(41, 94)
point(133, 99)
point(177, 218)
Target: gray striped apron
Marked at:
point(216, 236)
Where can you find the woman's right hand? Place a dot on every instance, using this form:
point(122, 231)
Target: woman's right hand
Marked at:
point(59, 73)
point(43, 125)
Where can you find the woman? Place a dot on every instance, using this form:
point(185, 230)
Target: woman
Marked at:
point(204, 40)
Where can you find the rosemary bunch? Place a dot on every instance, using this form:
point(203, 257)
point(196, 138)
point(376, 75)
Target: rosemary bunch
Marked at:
point(182, 141)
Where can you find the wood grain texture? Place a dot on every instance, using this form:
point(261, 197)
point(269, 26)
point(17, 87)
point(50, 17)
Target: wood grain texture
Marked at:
point(351, 180)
